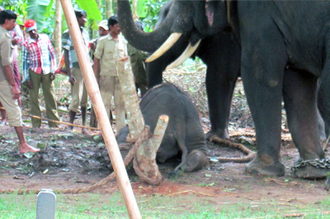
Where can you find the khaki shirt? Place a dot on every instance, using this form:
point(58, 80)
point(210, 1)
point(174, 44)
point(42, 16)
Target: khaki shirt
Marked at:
point(6, 51)
point(108, 51)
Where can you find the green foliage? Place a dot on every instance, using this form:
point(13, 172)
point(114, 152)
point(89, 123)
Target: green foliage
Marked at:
point(153, 7)
point(42, 11)
point(18, 6)
point(91, 9)
point(141, 9)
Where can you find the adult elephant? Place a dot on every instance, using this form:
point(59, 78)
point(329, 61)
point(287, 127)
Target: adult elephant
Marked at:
point(219, 51)
point(273, 35)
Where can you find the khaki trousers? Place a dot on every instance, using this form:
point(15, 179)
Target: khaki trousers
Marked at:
point(48, 91)
point(14, 113)
point(110, 87)
point(78, 91)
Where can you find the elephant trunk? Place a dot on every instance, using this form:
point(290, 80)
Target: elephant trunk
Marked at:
point(143, 41)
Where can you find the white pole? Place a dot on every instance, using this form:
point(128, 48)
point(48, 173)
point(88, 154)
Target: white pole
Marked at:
point(100, 112)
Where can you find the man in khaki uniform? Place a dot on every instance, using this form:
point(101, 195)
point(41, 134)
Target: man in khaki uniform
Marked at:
point(110, 48)
point(8, 88)
point(103, 31)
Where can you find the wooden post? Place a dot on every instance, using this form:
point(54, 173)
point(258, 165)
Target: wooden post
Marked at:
point(147, 168)
point(145, 164)
point(134, 115)
point(101, 115)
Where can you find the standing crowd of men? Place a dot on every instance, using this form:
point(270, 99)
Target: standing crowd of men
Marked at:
point(39, 65)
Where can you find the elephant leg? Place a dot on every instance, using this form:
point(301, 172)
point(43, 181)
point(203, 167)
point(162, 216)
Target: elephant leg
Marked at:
point(299, 94)
point(265, 105)
point(324, 101)
point(154, 76)
point(219, 92)
point(221, 53)
point(196, 160)
point(262, 68)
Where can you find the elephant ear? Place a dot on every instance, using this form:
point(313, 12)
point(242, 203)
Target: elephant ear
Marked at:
point(220, 13)
point(209, 10)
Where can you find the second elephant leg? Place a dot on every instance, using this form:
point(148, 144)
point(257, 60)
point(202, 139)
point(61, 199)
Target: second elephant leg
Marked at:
point(299, 95)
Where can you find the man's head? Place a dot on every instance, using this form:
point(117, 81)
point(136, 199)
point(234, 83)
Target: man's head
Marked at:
point(113, 26)
point(81, 17)
point(8, 19)
point(31, 28)
point(103, 28)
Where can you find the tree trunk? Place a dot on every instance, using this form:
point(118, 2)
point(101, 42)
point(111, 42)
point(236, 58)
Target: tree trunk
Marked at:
point(108, 8)
point(145, 164)
point(134, 116)
point(57, 37)
point(135, 16)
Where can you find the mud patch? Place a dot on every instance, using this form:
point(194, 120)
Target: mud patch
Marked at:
point(72, 160)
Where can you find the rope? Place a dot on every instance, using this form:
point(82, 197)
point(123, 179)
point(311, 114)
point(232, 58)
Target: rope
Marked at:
point(65, 123)
point(249, 153)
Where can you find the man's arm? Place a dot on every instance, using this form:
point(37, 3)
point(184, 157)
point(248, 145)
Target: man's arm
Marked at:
point(26, 66)
point(72, 80)
point(97, 57)
point(10, 76)
point(18, 36)
point(66, 45)
point(7, 61)
point(96, 68)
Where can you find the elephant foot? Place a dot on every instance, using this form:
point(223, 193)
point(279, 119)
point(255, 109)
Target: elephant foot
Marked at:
point(311, 169)
point(265, 165)
point(175, 174)
point(214, 133)
point(196, 160)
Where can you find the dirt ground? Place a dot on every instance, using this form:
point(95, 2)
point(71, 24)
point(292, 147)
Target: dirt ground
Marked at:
point(72, 160)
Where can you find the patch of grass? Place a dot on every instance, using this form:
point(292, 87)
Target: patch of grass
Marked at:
point(183, 207)
point(326, 202)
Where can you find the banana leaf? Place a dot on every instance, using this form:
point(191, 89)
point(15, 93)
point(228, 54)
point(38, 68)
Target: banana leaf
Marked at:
point(39, 10)
point(90, 6)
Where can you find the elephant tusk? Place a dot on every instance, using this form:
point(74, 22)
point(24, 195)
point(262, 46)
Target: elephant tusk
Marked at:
point(166, 46)
point(184, 56)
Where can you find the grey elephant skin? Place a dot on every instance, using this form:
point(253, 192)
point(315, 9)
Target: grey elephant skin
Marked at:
point(220, 52)
point(272, 35)
point(184, 136)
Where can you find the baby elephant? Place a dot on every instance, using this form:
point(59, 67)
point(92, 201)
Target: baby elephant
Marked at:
point(184, 135)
